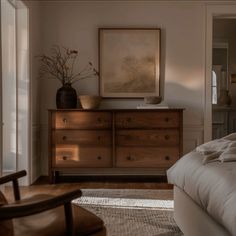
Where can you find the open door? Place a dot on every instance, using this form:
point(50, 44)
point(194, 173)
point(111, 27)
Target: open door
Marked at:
point(214, 12)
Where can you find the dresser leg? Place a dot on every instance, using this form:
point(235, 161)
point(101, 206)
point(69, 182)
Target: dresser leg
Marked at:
point(51, 177)
point(56, 176)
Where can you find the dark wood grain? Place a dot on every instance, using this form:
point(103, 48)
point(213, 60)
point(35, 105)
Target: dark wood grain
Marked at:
point(146, 157)
point(114, 139)
point(82, 137)
point(15, 210)
point(73, 155)
point(153, 137)
point(147, 120)
point(14, 179)
point(82, 120)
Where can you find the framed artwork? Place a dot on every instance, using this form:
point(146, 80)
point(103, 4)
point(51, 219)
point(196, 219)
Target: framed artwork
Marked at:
point(129, 62)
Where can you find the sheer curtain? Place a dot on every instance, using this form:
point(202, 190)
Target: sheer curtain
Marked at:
point(15, 92)
point(9, 104)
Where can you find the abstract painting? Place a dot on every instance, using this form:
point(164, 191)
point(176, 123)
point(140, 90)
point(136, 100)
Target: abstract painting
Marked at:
point(129, 62)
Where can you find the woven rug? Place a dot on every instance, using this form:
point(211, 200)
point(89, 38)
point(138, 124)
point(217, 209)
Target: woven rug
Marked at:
point(132, 212)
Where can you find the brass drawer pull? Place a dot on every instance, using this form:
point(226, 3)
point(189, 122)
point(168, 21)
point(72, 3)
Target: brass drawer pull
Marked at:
point(127, 137)
point(99, 158)
point(167, 119)
point(64, 120)
point(130, 158)
point(64, 158)
point(167, 158)
point(167, 137)
point(64, 138)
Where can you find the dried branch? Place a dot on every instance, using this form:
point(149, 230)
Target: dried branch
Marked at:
point(60, 65)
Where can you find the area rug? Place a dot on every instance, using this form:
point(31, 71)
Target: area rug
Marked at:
point(132, 212)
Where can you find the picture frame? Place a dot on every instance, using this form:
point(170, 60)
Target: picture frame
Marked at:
point(129, 62)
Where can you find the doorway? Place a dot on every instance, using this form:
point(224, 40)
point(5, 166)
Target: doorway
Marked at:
point(223, 73)
point(213, 12)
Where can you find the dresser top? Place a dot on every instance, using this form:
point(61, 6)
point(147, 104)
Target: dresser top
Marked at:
point(123, 109)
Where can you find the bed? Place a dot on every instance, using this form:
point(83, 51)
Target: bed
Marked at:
point(205, 189)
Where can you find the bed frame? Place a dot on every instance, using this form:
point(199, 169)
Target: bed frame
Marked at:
point(192, 219)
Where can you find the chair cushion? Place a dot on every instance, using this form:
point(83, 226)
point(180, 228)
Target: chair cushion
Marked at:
point(52, 222)
point(6, 226)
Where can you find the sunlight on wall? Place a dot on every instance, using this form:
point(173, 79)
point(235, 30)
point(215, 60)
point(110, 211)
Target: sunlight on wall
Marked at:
point(191, 79)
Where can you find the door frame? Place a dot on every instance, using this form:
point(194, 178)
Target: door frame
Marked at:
point(212, 11)
point(1, 161)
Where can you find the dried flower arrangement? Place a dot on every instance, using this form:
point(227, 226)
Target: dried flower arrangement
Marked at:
point(60, 65)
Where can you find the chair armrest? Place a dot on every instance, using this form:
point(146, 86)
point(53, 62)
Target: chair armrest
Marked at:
point(36, 206)
point(14, 178)
point(11, 177)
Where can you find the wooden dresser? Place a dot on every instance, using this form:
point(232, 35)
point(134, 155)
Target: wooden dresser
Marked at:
point(114, 142)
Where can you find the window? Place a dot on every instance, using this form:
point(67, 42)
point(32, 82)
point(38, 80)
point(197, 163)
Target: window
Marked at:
point(15, 88)
point(214, 88)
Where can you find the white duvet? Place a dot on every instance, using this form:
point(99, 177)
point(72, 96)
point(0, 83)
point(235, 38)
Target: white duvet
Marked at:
point(211, 185)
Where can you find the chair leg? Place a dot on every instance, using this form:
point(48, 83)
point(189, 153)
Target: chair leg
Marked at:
point(16, 189)
point(69, 219)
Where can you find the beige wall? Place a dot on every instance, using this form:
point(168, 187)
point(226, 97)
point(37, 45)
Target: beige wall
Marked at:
point(75, 25)
point(35, 45)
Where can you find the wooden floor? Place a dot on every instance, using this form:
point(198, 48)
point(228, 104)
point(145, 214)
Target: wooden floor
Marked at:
point(42, 185)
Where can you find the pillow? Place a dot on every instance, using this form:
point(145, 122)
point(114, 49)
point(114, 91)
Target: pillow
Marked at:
point(231, 137)
point(217, 145)
point(212, 157)
point(228, 155)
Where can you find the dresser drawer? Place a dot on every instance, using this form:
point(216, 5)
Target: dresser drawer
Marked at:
point(84, 137)
point(118, 141)
point(147, 119)
point(146, 157)
point(81, 120)
point(158, 138)
point(74, 156)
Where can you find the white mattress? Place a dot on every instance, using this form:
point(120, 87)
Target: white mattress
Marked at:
point(212, 186)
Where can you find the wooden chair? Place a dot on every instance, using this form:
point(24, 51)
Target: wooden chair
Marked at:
point(44, 215)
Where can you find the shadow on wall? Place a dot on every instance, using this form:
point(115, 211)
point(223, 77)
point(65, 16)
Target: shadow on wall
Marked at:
point(192, 100)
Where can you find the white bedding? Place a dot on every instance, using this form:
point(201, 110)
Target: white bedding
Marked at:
point(212, 186)
point(223, 149)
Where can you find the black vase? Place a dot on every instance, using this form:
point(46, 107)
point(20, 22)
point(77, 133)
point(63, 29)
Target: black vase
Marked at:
point(66, 97)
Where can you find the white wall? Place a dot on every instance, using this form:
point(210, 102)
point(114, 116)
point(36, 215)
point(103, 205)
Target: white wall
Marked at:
point(75, 25)
point(35, 46)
